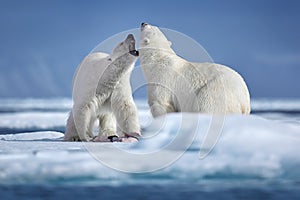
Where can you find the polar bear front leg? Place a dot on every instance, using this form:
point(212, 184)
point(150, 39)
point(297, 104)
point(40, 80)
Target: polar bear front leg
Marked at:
point(127, 116)
point(107, 125)
point(107, 128)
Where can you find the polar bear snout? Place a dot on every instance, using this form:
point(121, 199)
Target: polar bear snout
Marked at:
point(130, 37)
point(143, 24)
point(131, 42)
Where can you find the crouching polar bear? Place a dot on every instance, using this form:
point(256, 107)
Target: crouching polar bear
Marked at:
point(101, 90)
point(176, 85)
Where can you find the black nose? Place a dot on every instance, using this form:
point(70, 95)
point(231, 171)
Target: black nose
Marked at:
point(143, 24)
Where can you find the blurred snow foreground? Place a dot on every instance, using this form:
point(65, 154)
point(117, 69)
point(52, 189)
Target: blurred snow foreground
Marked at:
point(248, 146)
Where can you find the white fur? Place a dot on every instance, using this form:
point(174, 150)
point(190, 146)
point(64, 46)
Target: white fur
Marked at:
point(176, 85)
point(102, 91)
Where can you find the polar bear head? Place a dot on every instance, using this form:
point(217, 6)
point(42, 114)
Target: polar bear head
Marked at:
point(125, 49)
point(152, 38)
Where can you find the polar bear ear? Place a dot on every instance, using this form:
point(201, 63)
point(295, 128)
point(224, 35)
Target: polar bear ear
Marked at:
point(170, 43)
point(146, 41)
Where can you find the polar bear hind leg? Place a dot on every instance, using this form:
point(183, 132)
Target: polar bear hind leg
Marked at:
point(83, 119)
point(158, 109)
point(71, 133)
point(82, 126)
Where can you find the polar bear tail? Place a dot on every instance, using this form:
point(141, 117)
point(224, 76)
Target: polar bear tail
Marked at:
point(245, 110)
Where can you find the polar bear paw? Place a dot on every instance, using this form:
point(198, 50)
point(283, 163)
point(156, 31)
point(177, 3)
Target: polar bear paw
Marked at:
point(77, 139)
point(102, 138)
point(129, 139)
point(115, 138)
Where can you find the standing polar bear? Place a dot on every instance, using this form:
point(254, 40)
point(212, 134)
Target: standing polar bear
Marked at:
point(101, 90)
point(176, 85)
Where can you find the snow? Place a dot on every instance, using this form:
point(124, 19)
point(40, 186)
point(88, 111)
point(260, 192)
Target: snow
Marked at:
point(275, 104)
point(248, 147)
point(33, 119)
point(43, 135)
point(18, 105)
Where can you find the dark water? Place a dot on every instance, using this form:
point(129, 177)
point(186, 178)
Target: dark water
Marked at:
point(7, 130)
point(146, 191)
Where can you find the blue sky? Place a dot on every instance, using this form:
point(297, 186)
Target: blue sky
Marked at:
point(42, 42)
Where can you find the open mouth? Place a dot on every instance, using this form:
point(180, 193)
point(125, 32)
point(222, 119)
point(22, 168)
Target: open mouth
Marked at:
point(134, 52)
point(132, 49)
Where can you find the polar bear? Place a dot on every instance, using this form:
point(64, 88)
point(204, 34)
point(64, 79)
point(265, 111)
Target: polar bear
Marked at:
point(101, 90)
point(177, 85)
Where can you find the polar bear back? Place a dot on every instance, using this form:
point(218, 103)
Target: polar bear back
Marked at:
point(218, 88)
point(87, 76)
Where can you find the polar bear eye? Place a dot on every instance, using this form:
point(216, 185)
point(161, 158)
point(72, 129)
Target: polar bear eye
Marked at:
point(146, 41)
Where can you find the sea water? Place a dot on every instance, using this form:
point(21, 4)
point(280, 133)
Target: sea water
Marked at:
point(253, 157)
